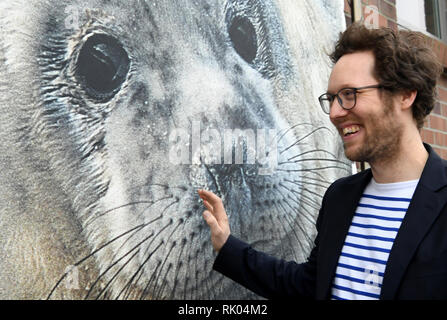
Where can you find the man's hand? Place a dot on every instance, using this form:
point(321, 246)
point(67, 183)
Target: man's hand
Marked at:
point(216, 218)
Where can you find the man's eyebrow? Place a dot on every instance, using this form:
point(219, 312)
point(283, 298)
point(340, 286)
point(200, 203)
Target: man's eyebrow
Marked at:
point(344, 86)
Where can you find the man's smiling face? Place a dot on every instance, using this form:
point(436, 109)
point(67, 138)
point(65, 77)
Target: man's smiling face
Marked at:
point(370, 131)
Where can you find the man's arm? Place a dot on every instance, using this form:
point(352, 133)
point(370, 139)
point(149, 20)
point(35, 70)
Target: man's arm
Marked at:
point(261, 273)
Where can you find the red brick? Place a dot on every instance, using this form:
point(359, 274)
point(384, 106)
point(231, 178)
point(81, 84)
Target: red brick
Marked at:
point(383, 21)
point(444, 110)
point(392, 25)
point(439, 48)
point(437, 108)
point(438, 123)
point(438, 150)
point(371, 3)
point(442, 94)
point(442, 153)
point(428, 136)
point(387, 9)
point(439, 139)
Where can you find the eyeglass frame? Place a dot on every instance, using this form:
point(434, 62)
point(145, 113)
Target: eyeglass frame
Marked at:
point(340, 101)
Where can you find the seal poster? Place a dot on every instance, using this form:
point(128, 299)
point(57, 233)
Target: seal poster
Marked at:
point(114, 113)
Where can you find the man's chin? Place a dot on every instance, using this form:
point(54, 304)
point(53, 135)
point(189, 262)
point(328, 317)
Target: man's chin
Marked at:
point(354, 154)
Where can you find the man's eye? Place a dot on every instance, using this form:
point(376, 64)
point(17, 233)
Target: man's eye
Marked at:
point(348, 94)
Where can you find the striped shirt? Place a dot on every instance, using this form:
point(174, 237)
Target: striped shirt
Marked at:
point(374, 227)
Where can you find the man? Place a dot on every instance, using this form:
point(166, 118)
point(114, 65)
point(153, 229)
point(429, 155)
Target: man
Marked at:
point(382, 233)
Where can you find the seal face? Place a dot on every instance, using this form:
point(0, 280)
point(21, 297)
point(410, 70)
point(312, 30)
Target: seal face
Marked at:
point(126, 109)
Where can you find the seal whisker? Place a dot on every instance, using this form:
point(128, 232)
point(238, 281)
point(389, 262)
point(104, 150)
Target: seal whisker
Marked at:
point(88, 222)
point(291, 225)
point(305, 182)
point(157, 218)
point(273, 233)
point(157, 295)
point(306, 136)
point(302, 199)
point(140, 268)
point(314, 169)
point(313, 151)
point(209, 287)
point(189, 249)
point(179, 265)
point(303, 188)
point(306, 214)
point(114, 263)
point(299, 226)
point(145, 291)
point(132, 230)
point(300, 216)
point(114, 276)
point(174, 243)
point(287, 130)
point(92, 254)
point(316, 174)
point(306, 201)
point(325, 184)
point(310, 201)
point(315, 159)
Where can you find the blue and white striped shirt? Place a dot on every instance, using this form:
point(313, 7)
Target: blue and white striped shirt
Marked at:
point(377, 219)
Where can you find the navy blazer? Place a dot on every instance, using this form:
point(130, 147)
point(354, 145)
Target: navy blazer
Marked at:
point(417, 264)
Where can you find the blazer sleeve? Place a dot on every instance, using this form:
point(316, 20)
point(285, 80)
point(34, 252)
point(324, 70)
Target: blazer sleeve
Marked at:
point(265, 275)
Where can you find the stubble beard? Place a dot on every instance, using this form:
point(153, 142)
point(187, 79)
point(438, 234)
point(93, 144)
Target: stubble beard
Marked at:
point(383, 139)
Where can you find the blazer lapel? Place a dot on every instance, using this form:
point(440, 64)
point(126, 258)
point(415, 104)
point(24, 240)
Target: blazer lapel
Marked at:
point(423, 210)
point(338, 216)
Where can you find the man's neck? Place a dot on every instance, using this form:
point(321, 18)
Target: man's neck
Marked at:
point(405, 165)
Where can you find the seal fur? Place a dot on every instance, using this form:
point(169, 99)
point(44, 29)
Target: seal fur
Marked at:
point(85, 178)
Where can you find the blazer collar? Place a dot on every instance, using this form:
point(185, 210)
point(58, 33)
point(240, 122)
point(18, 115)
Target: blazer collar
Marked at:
point(428, 200)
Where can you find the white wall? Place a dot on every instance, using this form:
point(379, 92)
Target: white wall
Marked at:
point(411, 14)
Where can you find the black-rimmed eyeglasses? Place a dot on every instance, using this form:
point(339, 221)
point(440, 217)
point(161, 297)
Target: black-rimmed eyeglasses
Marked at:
point(347, 97)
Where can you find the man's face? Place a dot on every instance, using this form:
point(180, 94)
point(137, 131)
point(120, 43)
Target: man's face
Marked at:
point(370, 131)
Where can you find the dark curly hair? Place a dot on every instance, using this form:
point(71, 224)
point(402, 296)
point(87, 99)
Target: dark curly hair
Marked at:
point(403, 61)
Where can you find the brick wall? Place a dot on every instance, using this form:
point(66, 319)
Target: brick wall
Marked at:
point(435, 129)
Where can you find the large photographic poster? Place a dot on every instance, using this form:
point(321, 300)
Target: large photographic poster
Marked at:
point(114, 113)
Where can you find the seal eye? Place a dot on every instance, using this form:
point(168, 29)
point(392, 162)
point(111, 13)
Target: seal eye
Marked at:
point(102, 66)
point(243, 36)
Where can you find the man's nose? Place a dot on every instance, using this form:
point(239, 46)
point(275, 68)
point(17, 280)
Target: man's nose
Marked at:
point(336, 110)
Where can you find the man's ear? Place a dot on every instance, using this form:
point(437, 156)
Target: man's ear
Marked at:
point(406, 98)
